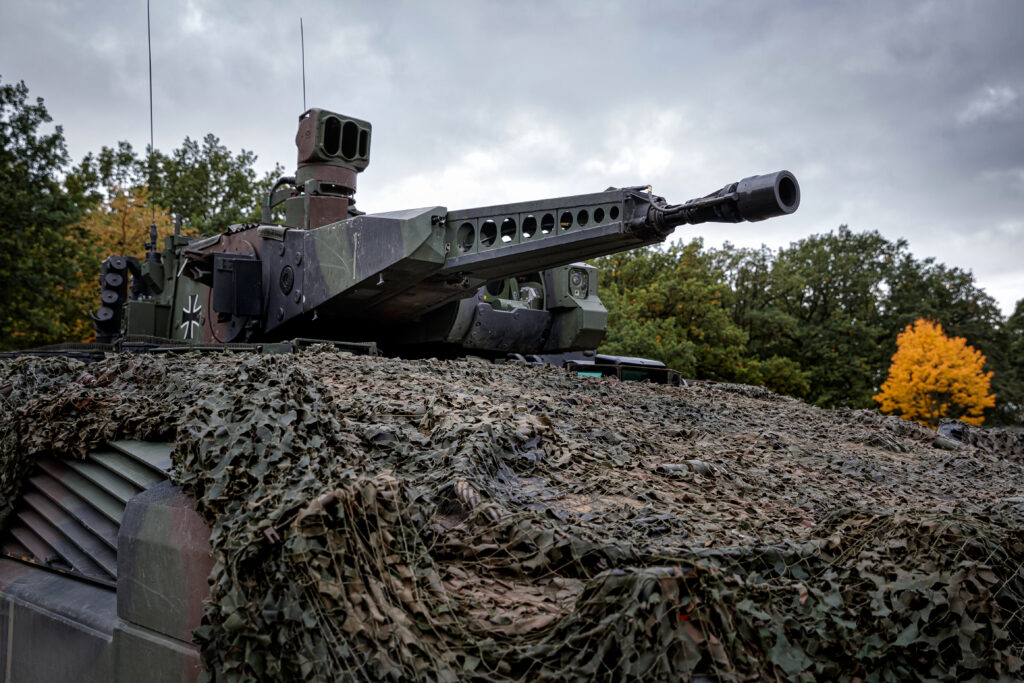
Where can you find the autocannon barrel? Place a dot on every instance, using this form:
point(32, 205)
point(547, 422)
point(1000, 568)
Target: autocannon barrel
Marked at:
point(752, 199)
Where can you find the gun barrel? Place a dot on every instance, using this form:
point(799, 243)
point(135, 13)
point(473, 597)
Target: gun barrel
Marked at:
point(756, 198)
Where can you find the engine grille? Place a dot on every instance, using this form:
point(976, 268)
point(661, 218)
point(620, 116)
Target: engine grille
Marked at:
point(70, 510)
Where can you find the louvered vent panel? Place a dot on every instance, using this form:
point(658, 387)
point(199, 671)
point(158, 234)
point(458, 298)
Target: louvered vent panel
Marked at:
point(69, 512)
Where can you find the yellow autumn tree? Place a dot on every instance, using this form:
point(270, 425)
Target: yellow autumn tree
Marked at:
point(117, 225)
point(120, 223)
point(934, 376)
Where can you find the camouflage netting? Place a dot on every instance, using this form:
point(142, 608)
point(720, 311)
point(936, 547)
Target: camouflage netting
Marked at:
point(384, 519)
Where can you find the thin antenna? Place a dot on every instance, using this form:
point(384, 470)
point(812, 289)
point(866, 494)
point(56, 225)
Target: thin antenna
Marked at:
point(152, 254)
point(302, 38)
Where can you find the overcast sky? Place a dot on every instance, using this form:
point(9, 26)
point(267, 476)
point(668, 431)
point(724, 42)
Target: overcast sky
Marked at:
point(901, 117)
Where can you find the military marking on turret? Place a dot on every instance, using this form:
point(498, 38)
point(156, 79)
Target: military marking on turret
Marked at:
point(190, 316)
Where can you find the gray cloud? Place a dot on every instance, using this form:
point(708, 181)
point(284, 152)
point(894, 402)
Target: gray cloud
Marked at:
point(905, 118)
point(992, 103)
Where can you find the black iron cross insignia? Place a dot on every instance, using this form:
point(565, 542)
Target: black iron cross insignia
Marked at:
point(190, 316)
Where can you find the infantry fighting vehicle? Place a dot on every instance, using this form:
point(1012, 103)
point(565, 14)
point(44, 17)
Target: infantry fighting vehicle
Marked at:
point(103, 562)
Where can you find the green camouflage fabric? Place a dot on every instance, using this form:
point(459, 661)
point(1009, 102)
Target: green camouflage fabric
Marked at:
point(381, 519)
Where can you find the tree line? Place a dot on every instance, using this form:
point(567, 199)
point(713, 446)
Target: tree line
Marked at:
point(818, 319)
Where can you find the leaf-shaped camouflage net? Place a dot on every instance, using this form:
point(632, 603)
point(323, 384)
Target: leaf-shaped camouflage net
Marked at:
point(384, 519)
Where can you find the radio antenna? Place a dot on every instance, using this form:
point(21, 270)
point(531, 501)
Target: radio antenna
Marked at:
point(302, 40)
point(151, 254)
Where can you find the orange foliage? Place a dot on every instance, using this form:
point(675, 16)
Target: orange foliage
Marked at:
point(934, 376)
point(120, 224)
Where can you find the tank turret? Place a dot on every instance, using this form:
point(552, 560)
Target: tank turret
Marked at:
point(500, 279)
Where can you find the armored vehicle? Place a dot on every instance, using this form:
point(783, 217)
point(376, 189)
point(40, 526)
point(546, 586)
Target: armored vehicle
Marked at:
point(104, 562)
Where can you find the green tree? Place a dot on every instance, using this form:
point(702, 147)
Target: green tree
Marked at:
point(758, 296)
point(669, 305)
point(637, 298)
point(205, 183)
point(208, 186)
point(1011, 403)
point(113, 167)
point(815, 304)
point(41, 262)
point(673, 305)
